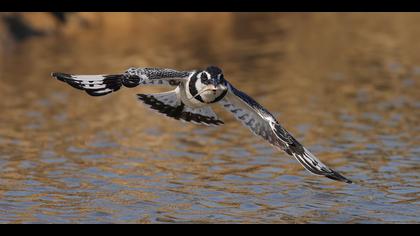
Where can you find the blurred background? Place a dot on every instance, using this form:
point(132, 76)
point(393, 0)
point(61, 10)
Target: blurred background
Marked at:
point(345, 84)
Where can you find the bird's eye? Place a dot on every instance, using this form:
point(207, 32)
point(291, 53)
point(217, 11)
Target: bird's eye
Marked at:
point(204, 77)
point(221, 78)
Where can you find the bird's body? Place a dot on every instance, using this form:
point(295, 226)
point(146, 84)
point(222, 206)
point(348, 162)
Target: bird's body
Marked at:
point(191, 99)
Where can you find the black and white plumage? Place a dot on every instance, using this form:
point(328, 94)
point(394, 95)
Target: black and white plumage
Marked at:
point(190, 101)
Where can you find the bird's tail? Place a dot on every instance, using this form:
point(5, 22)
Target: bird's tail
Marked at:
point(97, 85)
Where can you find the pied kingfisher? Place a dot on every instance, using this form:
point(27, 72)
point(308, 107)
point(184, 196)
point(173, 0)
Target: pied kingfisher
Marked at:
point(190, 101)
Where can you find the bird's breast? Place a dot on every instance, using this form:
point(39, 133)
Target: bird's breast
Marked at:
point(189, 99)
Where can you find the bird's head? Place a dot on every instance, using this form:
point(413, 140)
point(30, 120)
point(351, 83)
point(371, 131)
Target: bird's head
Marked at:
point(212, 75)
point(210, 83)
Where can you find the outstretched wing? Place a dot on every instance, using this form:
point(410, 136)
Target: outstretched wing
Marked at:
point(262, 123)
point(99, 85)
point(170, 104)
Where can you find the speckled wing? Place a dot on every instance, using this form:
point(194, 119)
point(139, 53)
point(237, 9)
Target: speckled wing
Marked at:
point(262, 123)
point(158, 76)
point(99, 85)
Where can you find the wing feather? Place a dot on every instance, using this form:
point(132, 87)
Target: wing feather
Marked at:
point(99, 85)
point(262, 123)
point(170, 104)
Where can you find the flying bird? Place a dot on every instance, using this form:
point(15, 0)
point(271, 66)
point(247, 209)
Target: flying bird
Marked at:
point(190, 100)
